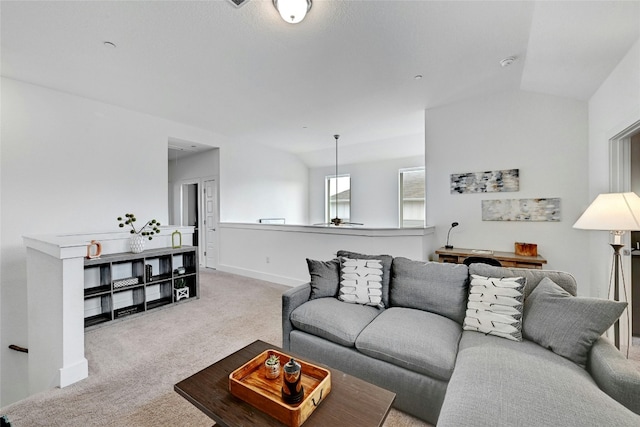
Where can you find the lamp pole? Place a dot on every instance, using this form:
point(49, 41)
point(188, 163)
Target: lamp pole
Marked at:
point(616, 289)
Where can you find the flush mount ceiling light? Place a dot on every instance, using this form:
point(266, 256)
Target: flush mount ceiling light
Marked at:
point(292, 11)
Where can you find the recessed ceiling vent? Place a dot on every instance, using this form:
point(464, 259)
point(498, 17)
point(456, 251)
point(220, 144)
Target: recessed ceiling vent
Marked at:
point(238, 3)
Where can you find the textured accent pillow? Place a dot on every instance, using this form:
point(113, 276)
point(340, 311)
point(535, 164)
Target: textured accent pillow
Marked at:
point(325, 278)
point(386, 261)
point(565, 324)
point(361, 282)
point(495, 306)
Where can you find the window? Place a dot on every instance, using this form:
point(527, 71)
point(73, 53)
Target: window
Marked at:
point(338, 197)
point(412, 197)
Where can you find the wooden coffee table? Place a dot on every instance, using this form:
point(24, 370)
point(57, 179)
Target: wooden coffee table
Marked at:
point(352, 401)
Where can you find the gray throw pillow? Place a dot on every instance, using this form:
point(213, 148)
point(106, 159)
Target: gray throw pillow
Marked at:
point(325, 278)
point(386, 261)
point(565, 324)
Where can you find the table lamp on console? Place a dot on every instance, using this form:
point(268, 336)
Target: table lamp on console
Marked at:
point(447, 245)
point(616, 213)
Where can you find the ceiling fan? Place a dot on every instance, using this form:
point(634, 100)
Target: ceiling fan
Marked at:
point(337, 221)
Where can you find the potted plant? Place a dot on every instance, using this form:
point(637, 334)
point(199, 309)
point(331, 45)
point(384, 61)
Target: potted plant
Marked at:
point(272, 366)
point(146, 231)
point(180, 289)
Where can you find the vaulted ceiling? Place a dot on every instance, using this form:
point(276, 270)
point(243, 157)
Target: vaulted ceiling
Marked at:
point(348, 68)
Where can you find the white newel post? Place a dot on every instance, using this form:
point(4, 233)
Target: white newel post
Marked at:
point(55, 292)
point(55, 300)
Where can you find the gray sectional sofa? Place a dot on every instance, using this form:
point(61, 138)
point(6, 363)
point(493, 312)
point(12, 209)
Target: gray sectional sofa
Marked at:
point(562, 373)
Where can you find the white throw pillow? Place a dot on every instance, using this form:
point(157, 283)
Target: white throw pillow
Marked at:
point(361, 282)
point(495, 306)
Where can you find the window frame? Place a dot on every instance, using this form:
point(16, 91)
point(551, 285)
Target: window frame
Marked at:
point(328, 216)
point(401, 190)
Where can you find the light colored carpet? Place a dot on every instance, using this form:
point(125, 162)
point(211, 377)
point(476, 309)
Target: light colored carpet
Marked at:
point(133, 364)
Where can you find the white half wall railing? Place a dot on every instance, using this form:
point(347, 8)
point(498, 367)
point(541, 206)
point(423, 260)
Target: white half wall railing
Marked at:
point(55, 299)
point(277, 253)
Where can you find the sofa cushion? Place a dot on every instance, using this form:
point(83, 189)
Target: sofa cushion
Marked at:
point(495, 306)
point(440, 288)
point(533, 276)
point(499, 382)
point(333, 320)
point(325, 278)
point(361, 282)
point(386, 270)
point(565, 324)
point(417, 340)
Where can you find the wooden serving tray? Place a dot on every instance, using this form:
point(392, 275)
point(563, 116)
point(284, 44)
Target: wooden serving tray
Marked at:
point(250, 384)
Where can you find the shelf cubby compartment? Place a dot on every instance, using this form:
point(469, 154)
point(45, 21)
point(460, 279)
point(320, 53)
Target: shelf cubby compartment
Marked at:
point(124, 270)
point(128, 301)
point(158, 294)
point(97, 310)
point(191, 284)
point(97, 280)
point(157, 268)
point(186, 260)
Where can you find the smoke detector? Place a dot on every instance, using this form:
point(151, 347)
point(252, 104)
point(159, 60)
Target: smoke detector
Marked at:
point(507, 61)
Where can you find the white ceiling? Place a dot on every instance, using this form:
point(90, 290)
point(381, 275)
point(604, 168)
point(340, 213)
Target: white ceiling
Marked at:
point(348, 68)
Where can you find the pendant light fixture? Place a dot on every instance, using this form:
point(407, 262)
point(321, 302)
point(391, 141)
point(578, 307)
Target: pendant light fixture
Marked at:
point(292, 11)
point(337, 221)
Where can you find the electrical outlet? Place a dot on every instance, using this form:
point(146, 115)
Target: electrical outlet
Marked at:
point(268, 260)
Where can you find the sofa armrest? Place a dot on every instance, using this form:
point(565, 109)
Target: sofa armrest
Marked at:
point(292, 299)
point(614, 374)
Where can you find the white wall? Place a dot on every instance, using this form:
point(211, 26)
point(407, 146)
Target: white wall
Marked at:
point(70, 164)
point(545, 137)
point(614, 107)
point(261, 182)
point(374, 190)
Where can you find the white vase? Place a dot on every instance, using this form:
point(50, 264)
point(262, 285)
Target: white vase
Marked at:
point(136, 243)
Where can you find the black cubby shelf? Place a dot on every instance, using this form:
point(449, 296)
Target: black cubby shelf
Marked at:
point(125, 284)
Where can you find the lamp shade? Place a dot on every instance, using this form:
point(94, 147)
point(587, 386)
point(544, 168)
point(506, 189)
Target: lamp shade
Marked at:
point(612, 212)
point(292, 11)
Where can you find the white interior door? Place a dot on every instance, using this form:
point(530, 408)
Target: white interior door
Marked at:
point(211, 223)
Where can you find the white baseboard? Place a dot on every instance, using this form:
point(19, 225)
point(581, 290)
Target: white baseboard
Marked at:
point(74, 373)
point(287, 281)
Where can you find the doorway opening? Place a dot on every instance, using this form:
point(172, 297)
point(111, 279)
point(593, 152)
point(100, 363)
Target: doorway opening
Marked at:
point(624, 177)
point(190, 209)
point(635, 240)
point(193, 172)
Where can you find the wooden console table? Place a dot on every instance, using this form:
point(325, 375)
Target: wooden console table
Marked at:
point(507, 259)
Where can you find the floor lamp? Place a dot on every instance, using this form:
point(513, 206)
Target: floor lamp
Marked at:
point(616, 213)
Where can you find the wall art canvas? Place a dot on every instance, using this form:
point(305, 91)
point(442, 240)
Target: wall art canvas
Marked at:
point(485, 182)
point(521, 210)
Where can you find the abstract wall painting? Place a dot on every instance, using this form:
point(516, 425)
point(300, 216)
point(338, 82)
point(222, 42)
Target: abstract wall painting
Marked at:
point(485, 182)
point(521, 210)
